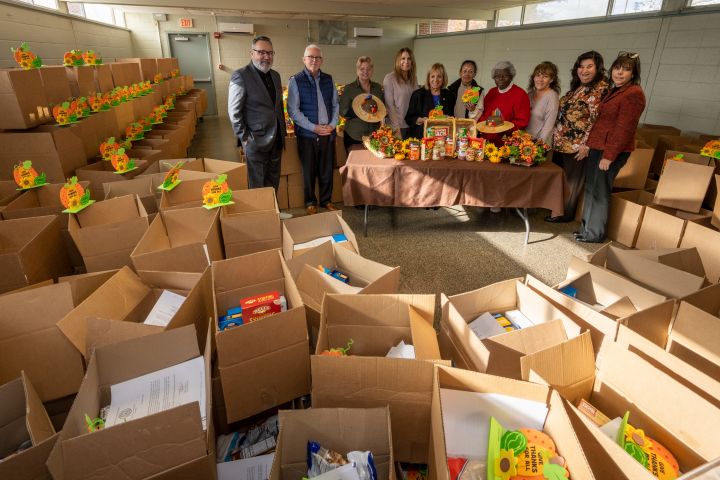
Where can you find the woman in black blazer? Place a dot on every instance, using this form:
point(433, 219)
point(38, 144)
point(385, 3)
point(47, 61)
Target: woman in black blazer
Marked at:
point(427, 97)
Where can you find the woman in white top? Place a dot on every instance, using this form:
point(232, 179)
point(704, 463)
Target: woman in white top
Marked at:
point(544, 90)
point(468, 70)
point(398, 86)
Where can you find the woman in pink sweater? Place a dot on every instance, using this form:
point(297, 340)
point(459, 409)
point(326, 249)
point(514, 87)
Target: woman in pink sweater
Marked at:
point(398, 86)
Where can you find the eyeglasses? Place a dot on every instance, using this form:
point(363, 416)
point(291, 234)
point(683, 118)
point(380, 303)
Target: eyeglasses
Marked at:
point(632, 55)
point(266, 53)
point(313, 58)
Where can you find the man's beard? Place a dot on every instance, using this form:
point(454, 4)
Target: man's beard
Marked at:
point(265, 68)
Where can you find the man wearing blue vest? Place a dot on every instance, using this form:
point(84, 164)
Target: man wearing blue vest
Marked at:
point(314, 107)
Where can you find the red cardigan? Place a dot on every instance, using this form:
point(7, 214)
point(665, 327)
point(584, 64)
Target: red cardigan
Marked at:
point(618, 117)
point(514, 106)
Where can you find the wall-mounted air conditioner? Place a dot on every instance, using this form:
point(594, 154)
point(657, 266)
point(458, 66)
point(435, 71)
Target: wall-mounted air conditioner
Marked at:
point(367, 32)
point(231, 27)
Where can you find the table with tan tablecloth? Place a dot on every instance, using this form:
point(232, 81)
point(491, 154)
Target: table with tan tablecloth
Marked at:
point(368, 180)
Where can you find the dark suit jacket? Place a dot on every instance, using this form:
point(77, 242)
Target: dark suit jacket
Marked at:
point(255, 119)
point(421, 102)
point(618, 116)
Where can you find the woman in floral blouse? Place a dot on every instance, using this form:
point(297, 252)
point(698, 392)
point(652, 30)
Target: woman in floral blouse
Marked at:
point(578, 112)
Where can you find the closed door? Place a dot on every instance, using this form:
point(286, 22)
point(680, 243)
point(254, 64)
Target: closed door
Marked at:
point(193, 53)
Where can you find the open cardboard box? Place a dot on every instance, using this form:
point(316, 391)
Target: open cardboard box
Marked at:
point(290, 162)
point(174, 135)
point(57, 151)
point(634, 173)
point(703, 235)
point(116, 310)
point(125, 73)
point(340, 429)
point(695, 332)
point(31, 250)
point(23, 418)
point(664, 227)
point(106, 232)
point(121, 116)
point(311, 227)
point(102, 172)
point(282, 194)
point(185, 240)
point(22, 99)
point(501, 354)
point(187, 194)
point(683, 185)
point(622, 381)
point(667, 142)
point(56, 86)
point(667, 273)
point(142, 186)
point(8, 192)
point(201, 167)
point(626, 213)
point(557, 422)
point(252, 224)
point(148, 66)
point(167, 444)
point(270, 354)
point(365, 277)
point(160, 144)
point(651, 133)
point(366, 378)
point(30, 341)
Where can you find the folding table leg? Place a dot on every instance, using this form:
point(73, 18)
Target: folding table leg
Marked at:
point(524, 215)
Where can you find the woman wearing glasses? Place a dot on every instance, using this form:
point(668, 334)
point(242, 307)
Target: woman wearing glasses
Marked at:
point(578, 113)
point(399, 86)
point(611, 140)
point(355, 127)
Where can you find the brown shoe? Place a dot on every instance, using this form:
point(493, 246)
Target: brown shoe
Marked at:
point(331, 208)
point(311, 209)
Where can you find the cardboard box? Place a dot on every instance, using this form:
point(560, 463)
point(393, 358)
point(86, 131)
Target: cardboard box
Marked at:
point(164, 66)
point(86, 80)
point(340, 429)
point(22, 99)
point(365, 277)
point(270, 354)
point(175, 135)
point(103, 78)
point(187, 194)
point(161, 445)
point(55, 84)
point(116, 311)
point(703, 236)
point(8, 192)
point(310, 227)
point(624, 382)
point(366, 378)
point(694, 337)
point(252, 224)
point(159, 144)
point(340, 158)
point(123, 115)
point(84, 284)
point(200, 167)
point(501, 354)
point(282, 194)
point(102, 172)
point(31, 250)
point(31, 342)
point(667, 142)
point(142, 186)
point(186, 240)
point(57, 151)
point(557, 423)
point(635, 171)
point(148, 66)
point(656, 274)
point(290, 160)
point(626, 214)
point(663, 227)
point(683, 185)
point(107, 232)
point(186, 119)
point(650, 134)
point(23, 418)
point(125, 73)
point(296, 190)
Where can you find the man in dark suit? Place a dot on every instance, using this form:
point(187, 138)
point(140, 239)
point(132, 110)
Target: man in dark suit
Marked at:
point(255, 107)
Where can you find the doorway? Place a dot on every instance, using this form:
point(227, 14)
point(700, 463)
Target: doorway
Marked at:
point(193, 53)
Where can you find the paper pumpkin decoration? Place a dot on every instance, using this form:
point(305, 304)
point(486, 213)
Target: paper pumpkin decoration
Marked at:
point(158, 78)
point(216, 193)
point(174, 73)
point(171, 179)
point(134, 131)
point(121, 162)
point(108, 147)
point(523, 454)
point(73, 58)
point(654, 457)
point(437, 112)
point(65, 113)
point(471, 95)
point(74, 197)
point(25, 58)
point(91, 58)
point(711, 149)
point(27, 177)
point(83, 107)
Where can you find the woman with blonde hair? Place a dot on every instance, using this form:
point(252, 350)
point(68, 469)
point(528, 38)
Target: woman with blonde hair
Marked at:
point(433, 94)
point(399, 86)
point(356, 128)
point(544, 93)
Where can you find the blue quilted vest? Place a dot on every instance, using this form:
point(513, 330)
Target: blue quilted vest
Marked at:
point(308, 99)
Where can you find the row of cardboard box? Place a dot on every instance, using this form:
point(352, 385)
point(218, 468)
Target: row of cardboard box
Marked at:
point(631, 373)
point(27, 95)
point(60, 151)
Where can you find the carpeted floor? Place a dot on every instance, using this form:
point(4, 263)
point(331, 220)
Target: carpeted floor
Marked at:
point(449, 250)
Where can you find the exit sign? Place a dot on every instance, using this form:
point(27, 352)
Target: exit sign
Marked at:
point(186, 22)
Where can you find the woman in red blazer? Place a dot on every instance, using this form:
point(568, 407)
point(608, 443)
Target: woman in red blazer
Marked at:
point(611, 140)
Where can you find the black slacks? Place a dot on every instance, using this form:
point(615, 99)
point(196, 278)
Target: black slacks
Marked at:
point(316, 157)
point(598, 188)
point(264, 167)
point(575, 176)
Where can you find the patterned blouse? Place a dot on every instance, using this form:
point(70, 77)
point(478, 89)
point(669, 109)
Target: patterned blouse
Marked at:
point(577, 114)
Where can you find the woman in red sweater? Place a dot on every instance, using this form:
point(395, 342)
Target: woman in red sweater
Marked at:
point(513, 101)
point(611, 140)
